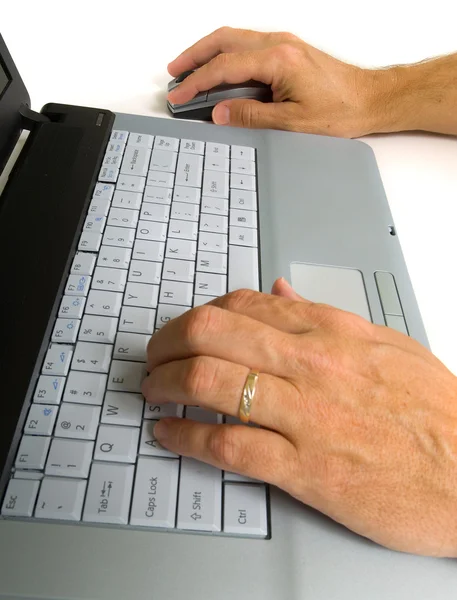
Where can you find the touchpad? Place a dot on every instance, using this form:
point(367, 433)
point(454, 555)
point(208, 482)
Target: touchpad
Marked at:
point(337, 286)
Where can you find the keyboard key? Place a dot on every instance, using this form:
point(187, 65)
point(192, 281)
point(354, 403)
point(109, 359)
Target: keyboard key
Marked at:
point(94, 223)
point(200, 300)
point(142, 271)
point(158, 195)
point(122, 237)
point(65, 330)
point(103, 190)
point(211, 284)
point(193, 147)
point(166, 143)
point(20, 498)
point(41, 419)
point(185, 211)
point(189, 170)
point(245, 509)
point(136, 161)
point(123, 199)
point(112, 159)
point(214, 223)
point(186, 194)
point(214, 206)
point(117, 444)
point(123, 217)
point(32, 452)
point(99, 206)
point(236, 478)
point(35, 475)
point(176, 292)
point(85, 388)
point(141, 140)
point(130, 183)
point(49, 389)
point(160, 179)
point(92, 357)
point(212, 242)
point(243, 236)
point(157, 411)
point(90, 241)
point(244, 268)
point(146, 250)
point(243, 152)
point(126, 376)
point(69, 458)
point(72, 307)
point(242, 182)
point(108, 174)
point(149, 446)
point(141, 294)
point(83, 263)
point(137, 320)
point(77, 421)
point(118, 258)
point(183, 249)
point(61, 499)
point(243, 199)
point(216, 163)
point(155, 492)
point(163, 160)
point(178, 270)
point(109, 493)
point(109, 279)
point(243, 218)
point(215, 184)
point(183, 230)
point(119, 136)
point(200, 496)
point(107, 304)
point(155, 212)
point(122, 408)
point(217, 150)
point(152, 231)
point(166, 312)
point(114, 146)
point(77, 285)
point(131, 346)
point(212, 262)
point(57, 361)
point(243, 167)
point(98, 329)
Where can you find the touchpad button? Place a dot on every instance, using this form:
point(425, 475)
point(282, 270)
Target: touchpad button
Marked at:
point(337, 286)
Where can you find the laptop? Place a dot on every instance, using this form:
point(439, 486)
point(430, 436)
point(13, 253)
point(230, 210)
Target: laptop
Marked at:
point(110, 226)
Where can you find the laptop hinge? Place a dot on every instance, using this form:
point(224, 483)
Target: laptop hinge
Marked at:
point(30, 119)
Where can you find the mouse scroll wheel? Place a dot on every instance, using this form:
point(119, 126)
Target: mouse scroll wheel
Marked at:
point(181, 77)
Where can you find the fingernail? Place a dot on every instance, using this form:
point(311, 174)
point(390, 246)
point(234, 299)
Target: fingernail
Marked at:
point(221, 115)
point(161, 431)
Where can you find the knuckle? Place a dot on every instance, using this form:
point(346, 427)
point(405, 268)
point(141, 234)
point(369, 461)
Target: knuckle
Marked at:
point(240, 299)
point(222, 31)
point(223, 446)
point(221, 60)
point(286, 36)
point(200, 377)
point(200, 321)
point(247, 114)
point(287, 52)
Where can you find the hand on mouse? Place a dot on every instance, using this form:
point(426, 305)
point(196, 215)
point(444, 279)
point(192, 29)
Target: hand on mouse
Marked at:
point(312, 91)
point(360, 421)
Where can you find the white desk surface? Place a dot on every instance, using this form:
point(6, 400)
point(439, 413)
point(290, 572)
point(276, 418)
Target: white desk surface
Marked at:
point(114, 55)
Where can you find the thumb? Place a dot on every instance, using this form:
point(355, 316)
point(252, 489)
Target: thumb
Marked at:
point(282, 288)
point(254, 114)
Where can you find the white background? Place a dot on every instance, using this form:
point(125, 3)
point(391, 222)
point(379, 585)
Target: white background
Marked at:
point(114, 55)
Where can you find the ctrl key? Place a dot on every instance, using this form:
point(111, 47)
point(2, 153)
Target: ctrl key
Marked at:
point(245, 509)
point(20, 498)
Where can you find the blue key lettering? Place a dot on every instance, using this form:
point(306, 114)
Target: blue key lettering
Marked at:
point(55, 384)
point(62, 357)
point(47, 412)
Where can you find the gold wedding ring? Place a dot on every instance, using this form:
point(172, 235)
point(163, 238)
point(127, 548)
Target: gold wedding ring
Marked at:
point(248, 396)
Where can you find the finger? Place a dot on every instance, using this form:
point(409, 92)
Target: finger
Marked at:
point(226, 68)
point(249, 451)
point(283, 314)
point(210, 331)
point(282, 288)
point(217, 385)
point(257, 115)
point(225, 39)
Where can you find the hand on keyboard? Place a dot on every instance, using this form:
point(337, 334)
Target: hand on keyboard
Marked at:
point(358, 420)
point(312, 91)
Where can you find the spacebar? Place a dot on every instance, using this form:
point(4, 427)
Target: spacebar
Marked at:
point(243, 268)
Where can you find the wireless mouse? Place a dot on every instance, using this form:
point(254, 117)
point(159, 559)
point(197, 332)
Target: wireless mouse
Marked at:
point(201, 106)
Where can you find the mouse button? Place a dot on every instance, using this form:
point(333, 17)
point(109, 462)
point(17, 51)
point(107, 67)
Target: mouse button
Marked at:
point(199, 98)
point(230, 93)
point(183, 76)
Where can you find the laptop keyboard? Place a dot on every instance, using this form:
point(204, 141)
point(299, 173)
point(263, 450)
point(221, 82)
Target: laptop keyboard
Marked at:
point(171, 225)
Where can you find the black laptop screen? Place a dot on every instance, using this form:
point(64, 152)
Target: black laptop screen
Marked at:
point(4, 79)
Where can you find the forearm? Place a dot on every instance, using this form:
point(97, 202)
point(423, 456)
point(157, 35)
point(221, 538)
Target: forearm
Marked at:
point(421, 96)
